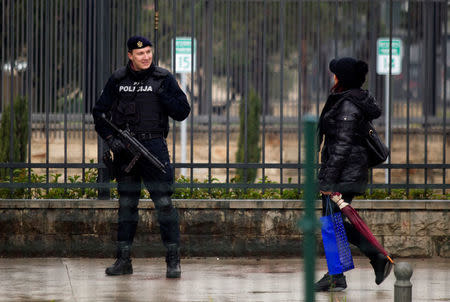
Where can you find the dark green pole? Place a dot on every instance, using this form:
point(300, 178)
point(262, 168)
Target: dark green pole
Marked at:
point(309, 223)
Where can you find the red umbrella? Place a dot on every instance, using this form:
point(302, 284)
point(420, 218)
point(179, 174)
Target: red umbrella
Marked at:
point(358, 222)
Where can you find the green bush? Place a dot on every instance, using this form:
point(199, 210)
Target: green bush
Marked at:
point(253, 136)
point(90, 176)
point(22, 176)
point(20, 133)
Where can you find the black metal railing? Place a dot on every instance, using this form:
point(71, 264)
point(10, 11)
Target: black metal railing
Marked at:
point(59, 54)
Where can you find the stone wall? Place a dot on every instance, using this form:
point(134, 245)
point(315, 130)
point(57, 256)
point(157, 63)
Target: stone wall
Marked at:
point(255, 228)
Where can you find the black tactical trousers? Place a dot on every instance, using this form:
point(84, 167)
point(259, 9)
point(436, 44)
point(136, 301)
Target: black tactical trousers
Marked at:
point(157, 183)
point(353, 235)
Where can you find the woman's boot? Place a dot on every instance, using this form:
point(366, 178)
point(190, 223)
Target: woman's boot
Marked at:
point(382, 267)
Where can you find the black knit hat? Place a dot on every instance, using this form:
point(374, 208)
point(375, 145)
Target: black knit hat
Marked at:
point(136, 42)
point(349, 71)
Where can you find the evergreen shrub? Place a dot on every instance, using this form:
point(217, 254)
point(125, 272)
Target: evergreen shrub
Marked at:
point(252, 131)
point(20, 133)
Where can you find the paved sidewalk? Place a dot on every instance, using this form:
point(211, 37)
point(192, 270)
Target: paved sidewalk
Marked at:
point(205, 279)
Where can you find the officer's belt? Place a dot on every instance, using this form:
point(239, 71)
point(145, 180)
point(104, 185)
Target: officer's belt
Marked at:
point(148, 135)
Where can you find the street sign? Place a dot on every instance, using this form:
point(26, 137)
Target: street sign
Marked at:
point(383, 46)
point(183, 54)
point(388, 48)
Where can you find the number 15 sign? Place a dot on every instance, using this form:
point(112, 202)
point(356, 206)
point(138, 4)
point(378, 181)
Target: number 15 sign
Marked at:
point(184, 57)
point(383, 47)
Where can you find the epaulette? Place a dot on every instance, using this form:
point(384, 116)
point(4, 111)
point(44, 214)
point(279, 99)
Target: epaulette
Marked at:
point(119, 74)
point(160, 72)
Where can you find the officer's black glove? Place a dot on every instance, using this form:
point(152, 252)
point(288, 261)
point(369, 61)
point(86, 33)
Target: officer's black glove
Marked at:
point(162, 90)
point(115, 144)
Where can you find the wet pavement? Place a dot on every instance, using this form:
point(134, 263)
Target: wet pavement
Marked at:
point(205, 279)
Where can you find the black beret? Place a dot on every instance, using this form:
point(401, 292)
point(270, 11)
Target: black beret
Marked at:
point(349, 71)
point(136, 42)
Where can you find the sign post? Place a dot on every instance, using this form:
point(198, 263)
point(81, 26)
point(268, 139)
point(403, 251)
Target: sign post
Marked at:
point(384, 46)
point(184, 58)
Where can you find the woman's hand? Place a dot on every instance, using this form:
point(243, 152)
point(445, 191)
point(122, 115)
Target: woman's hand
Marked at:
point(325, 193)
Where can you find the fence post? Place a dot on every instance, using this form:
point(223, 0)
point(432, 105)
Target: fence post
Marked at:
point(103, 71)
point(403, 286)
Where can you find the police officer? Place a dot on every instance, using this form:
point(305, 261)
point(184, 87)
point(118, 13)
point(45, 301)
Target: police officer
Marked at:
point(140, 97)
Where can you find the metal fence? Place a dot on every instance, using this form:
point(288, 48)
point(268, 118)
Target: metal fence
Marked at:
point(59, 54)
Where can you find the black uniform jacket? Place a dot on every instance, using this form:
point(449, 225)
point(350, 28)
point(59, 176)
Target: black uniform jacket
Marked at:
point(172, 99)
point(344, 157)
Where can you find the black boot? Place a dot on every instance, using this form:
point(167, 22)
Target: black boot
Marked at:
point(331, 283)
point(122, 266)
point(173, 261)
point(382, 267)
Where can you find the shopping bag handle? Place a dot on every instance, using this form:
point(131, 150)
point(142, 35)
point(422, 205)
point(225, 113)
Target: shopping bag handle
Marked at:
point(328, 206)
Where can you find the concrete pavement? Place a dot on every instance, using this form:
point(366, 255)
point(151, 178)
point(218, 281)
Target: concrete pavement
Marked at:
point(205, 279)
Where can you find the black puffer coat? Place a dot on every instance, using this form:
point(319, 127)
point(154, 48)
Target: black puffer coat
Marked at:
point(344, 158)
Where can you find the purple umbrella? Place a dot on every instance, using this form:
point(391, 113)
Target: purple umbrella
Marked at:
point(358, 222)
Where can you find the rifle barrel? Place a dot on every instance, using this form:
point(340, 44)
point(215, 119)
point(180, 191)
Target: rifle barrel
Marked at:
point(137, 145)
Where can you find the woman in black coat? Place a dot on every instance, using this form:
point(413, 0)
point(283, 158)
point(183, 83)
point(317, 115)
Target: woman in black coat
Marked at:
point(344, 165)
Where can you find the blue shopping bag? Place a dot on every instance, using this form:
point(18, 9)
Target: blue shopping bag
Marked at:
point(335, 243)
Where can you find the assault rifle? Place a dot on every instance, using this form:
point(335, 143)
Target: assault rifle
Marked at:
point(135, 147)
